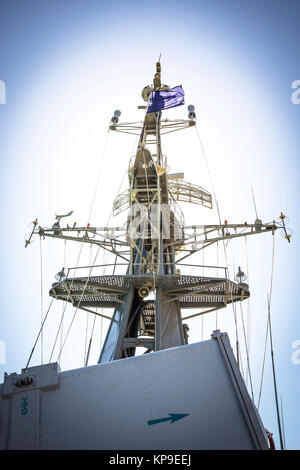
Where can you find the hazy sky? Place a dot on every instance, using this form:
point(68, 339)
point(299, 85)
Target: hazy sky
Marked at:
point(67, 65)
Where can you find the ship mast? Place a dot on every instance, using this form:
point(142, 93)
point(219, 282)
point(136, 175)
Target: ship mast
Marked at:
point(150, 294)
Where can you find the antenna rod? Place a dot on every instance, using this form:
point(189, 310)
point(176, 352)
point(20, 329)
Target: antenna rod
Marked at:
point(282, 419)
point(274, 377)
point(254, 202)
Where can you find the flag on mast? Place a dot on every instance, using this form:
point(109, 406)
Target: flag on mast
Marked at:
point(164, 99)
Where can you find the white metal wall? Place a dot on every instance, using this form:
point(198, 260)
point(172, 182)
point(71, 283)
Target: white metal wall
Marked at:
point(108, 406)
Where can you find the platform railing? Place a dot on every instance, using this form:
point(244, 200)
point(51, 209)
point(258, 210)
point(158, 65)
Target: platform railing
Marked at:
point(181, 269)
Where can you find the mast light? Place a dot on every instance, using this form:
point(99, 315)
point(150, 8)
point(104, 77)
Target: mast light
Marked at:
point(116, 116)
point(191, 110)
point(240, 276)
point(61, 275)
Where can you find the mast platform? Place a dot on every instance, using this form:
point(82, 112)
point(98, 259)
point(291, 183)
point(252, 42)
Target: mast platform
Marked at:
point(190, 291)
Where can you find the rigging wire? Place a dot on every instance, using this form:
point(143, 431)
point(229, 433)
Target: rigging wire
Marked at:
point(95, 318)
point(248, 370)
point(267, 328)
point(97, 252)
point(39, 333)
point(239, 346)
point(66, 304)
point(101, 333)
point(224, 246)
point(41, 269)
point(59, 329)
point(202, 316)
point(104, 257)
point(282, 420)
point(91, 338)
point(272, 351)
point(98, 177)
point(274, 377)
point(254, 203)
point(248, 311)
point(263, 365)
point(65, 264)
point(79, 303)
point(249, 300)
point(217, 313)
point(87, 319)
point(81, 246)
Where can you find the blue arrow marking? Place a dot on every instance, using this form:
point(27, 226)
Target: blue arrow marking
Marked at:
point(172, 418)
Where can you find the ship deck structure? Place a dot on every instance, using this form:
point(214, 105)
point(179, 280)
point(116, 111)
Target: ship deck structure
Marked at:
point(176, 395)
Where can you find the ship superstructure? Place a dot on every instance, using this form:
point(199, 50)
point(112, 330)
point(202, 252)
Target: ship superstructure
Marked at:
point(152, 247)
point(148, 293)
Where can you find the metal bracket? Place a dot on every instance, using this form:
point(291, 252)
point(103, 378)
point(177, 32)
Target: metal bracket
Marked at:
point(44, 378)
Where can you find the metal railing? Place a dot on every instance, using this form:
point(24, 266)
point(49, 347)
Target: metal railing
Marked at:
point(180, 269)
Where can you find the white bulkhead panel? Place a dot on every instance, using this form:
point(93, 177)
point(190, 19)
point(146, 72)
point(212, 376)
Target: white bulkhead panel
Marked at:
point(189, 397)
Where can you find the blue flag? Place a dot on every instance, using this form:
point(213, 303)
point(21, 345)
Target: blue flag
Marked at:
point(165, 99)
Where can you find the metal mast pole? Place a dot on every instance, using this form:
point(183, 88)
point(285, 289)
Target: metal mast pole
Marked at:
point(148, 297)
